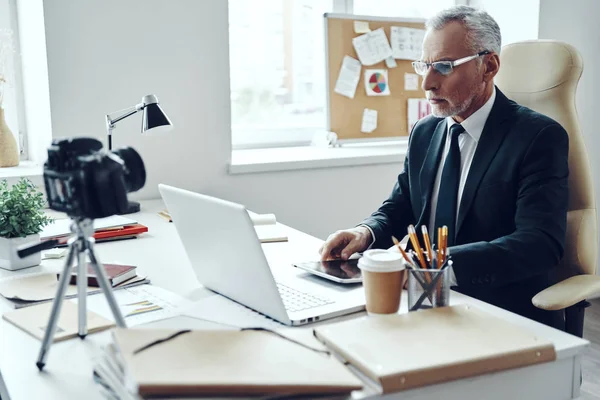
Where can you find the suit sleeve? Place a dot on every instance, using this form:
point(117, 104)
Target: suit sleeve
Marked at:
point(395, 214)
point(537, 244)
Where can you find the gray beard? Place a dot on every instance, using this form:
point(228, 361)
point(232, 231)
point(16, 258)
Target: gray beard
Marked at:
point(451, 112)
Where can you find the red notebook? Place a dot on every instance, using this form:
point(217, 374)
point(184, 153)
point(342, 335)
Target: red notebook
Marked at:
point(103, 235)
point(115, 274)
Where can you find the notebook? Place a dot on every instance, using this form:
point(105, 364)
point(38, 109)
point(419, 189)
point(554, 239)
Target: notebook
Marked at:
point(115, 274)
point(33, 320)
point(62, 227)
point(405, 351)
point(226, 362)
point(267, 229)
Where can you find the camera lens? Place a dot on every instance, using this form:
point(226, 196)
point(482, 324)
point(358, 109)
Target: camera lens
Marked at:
point(134, 173)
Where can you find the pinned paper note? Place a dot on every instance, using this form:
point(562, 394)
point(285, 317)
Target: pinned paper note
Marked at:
point(417, 109)
point(406, 42)
point(348, 78)
point(411, 81)
point(361, 27)
point(376, 82)
point(372, 47)
point(369, 121)
point(390, 62)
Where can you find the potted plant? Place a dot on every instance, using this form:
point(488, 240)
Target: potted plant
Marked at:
point(21, 221)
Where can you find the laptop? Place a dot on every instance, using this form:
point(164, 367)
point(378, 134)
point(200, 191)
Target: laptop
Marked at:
point(228, 258)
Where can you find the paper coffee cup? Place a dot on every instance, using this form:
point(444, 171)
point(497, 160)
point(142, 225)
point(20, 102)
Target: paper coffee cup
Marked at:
point(383, 274)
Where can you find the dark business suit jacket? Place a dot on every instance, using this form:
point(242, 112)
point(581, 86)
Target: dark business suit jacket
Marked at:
point(511, 223)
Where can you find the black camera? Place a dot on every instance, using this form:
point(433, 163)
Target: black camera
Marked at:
point(85, 181)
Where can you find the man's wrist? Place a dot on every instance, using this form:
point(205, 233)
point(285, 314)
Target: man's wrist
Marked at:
point(369, 235)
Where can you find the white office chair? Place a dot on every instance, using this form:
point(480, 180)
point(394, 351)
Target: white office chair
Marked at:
point(543, 75)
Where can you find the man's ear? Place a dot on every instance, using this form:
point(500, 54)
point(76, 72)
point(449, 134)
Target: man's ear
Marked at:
point(491, 66)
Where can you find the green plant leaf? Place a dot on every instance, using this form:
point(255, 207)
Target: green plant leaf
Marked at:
point(21, 209)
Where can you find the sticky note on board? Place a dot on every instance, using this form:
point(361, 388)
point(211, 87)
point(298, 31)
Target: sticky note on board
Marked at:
point(369, 121)
point(411, 81)
point(390, 62)
point(361, 27)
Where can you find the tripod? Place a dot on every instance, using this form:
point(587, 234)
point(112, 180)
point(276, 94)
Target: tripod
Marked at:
point(79, 245)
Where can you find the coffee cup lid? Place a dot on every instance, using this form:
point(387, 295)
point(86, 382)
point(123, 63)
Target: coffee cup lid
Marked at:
point(379, 260)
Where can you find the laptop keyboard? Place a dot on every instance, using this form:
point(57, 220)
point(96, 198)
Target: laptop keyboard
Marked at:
point(295, 300)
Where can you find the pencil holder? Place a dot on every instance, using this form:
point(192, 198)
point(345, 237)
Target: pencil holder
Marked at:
point(428, 288)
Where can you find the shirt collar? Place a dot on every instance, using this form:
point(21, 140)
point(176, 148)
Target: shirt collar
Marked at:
point(476, 121)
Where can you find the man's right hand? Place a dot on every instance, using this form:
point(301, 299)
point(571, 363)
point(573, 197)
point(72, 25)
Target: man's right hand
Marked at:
point(342, 244)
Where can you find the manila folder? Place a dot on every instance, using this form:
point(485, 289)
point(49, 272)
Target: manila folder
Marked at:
point(405, 351)
point(230, 362)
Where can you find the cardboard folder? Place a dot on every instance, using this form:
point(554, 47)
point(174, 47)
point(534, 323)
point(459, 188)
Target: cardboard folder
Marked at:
point(405, 351)
point(34, 320)
point(230, 362)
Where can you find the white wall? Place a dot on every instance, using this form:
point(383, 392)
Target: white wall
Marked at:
point(105, 55)
point(576, 22)
point(518, 19)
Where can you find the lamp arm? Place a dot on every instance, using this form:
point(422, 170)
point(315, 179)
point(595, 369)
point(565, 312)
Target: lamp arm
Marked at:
point(111, 121)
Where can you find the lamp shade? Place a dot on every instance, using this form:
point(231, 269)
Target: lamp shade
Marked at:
point(154, 120)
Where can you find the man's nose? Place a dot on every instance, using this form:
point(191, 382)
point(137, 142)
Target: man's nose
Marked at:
point(430, 80)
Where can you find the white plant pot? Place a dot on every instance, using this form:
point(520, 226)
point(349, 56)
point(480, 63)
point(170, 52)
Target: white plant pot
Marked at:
point(8, 253)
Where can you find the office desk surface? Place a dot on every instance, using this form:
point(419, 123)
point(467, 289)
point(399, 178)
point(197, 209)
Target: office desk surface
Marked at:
point(160, 255)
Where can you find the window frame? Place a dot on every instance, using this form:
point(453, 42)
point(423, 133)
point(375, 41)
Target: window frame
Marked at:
point(21, 134)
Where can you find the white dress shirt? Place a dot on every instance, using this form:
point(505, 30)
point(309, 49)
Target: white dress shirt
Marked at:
point(467, 142)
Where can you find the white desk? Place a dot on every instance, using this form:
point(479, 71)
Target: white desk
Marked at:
point(160, 255)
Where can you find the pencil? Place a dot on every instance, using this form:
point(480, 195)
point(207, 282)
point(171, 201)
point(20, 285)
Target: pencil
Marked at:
point(406, 257)
point(427, 244)
point(412, 234)
point(165, 215)
point(439, 250)
point(444, 242)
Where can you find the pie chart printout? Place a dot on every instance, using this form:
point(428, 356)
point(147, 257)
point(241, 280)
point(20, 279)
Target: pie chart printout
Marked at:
point(376, 82)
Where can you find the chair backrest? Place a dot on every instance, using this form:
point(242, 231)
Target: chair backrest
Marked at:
point(543, 75)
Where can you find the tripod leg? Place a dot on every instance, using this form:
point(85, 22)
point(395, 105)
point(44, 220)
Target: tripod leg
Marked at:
point(56, 306)
point(106, 288)
point(82, 288)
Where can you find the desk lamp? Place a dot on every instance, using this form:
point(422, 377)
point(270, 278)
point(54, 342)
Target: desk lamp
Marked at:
point(154, 121)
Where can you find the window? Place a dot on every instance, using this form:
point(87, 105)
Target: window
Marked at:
point(276, 51)
point(277, 64)
point(9, 66)
point(401, 8)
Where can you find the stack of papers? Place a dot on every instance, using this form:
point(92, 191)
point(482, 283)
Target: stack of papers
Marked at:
point(29, 290)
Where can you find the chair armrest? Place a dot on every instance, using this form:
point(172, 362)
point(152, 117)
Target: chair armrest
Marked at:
point(568, 292)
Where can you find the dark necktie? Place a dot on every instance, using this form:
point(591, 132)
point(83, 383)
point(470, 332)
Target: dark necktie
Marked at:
point(445, 213)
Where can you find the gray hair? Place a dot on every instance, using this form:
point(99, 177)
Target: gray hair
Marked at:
point(483, 33)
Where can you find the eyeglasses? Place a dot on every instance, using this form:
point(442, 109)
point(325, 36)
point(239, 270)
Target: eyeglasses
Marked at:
point(444, 67)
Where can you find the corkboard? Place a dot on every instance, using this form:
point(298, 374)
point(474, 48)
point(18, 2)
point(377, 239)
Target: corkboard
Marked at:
point(345, 114)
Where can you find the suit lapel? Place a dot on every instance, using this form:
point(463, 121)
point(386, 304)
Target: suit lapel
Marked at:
point(429, 168)
point(493, 134)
